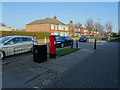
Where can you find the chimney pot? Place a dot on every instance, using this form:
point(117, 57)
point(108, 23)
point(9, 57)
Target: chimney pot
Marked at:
point(54, 17)
point(71, 22)
point(80, 25)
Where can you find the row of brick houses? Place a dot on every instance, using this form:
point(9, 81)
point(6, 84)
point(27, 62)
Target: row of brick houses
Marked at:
point(56, 27)
point(5, 28)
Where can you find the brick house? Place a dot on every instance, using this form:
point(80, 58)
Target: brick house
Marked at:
point(73, 29)
point(94, 32)
point(77, 30)
point(5, 28)
point(48, 25)
point(83, 30)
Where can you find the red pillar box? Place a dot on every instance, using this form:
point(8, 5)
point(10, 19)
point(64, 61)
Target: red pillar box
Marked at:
point(52, 46)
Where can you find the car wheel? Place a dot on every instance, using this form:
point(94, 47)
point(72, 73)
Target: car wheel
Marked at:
point(62, 45)
point(1, 55)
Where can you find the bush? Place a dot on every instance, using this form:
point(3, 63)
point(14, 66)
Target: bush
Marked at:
point(115, 35)
point(38, 35)
point(74, 36)
point(103, 38)
point(91, 35)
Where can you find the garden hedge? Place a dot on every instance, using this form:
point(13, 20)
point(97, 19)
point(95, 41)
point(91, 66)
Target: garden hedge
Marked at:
point(38, 35)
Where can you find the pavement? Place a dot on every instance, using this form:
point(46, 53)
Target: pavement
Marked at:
point(81, 69)
point(99, 70)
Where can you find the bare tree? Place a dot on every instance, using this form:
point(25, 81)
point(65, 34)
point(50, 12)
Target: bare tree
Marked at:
point(99, 27)
point(90, 24)
point(108, 27)
point(78, 25)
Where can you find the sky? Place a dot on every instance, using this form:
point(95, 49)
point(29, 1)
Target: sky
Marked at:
point(18, 14)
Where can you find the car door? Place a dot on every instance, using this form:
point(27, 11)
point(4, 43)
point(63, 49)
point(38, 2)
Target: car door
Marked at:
point(18, 45)
point(28, 43)
point(67, 41)
point(8, 48)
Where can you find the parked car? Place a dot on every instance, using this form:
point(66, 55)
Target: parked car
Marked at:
point(63, 41)
point(86, 36)
point(11, 45)
point(83, 39)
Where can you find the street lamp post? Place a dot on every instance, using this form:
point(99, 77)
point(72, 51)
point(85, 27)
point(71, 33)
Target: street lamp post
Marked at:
point(99, 23)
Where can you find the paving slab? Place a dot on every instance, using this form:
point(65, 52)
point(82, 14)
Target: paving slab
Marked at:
point(9, 82)
point(38, 70)
point(55, 67)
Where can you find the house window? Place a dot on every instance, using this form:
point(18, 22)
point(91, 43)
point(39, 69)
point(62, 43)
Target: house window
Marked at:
point(60, 27)
point(52, 27)
point(85, 30)
point(63, 27)
point(66, 28)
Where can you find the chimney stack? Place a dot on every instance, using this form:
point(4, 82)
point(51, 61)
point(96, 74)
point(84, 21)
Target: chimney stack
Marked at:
point(54, 17)
point(71, 22)
point(80, 25)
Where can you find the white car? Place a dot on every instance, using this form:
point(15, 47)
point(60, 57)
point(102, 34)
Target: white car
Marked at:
point(11, 45)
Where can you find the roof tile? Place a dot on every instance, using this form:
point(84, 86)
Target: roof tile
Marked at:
point(45, 21)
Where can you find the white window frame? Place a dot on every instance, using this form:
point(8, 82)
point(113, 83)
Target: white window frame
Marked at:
point(52, 26)
point(85, 30)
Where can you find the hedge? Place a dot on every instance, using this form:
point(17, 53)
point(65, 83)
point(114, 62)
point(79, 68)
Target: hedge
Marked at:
point(38, 35)
point(74, 36)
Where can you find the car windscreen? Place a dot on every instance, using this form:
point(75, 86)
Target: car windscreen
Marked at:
point(83, 37)
point(60, 38)
point(2, 40)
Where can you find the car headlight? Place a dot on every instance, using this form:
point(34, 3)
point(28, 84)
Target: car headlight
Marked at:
point(58, 42)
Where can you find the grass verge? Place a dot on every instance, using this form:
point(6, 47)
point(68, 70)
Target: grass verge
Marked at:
point(66, 51)
point(41, 43)
point(100, 40)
